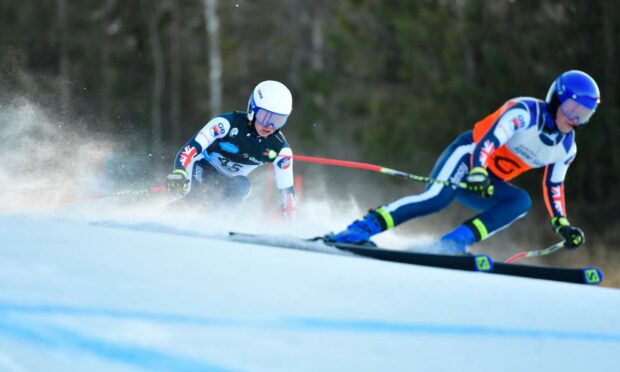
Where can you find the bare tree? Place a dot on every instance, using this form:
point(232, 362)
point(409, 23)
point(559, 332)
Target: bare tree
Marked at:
point(317, 37)
point(65, 93)
point(158, 78)
point(215, 58)
point(107, 27)
point(176, 61)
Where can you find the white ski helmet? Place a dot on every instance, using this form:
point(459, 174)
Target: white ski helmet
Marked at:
point(270, 104)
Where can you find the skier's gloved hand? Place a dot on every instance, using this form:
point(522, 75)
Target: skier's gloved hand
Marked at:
point(573, 236)
point(177, 182)
point(478, 182)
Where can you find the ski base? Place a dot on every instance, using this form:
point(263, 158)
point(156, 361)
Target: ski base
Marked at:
point(467, 263)
point(587, 275)
point(481, 262)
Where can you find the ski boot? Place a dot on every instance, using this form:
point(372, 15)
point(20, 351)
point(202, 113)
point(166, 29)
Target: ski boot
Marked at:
point(455, 242)
point(360, 231)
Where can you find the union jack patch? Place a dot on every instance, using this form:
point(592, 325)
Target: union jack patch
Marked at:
point(488, 148)
point(187, 155)
point(557, 196)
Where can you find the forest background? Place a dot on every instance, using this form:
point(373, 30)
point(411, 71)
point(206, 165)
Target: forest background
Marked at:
point(384, 82)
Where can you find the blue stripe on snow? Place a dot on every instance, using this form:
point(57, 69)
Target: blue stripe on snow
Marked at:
point(308, 324)
point(62, 339)
point(452, 330)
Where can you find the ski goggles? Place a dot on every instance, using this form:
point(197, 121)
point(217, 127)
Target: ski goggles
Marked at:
point(270, 119)
point(574, 110)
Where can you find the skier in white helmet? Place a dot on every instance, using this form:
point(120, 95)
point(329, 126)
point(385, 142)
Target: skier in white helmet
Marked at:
point(214, 163)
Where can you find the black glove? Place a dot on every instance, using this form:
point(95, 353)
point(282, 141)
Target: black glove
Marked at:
point(177, 182)
point(478, 182)
point(573, 236)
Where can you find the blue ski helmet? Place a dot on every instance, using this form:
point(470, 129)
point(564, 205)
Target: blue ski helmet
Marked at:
point(576, 94)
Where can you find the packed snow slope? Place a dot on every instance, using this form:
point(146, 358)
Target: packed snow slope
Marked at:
point(89, 283)
point(84, 294)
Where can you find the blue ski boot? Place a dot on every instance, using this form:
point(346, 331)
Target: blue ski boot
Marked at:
point(360, 231)
point(455, 242)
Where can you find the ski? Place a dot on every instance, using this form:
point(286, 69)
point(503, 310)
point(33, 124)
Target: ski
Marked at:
point(467, 263)
point(483, 263)
point(587, 275)
point(479, 262)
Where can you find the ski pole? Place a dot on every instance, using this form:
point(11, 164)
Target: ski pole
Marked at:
point(137, 192)
point(146, 190)
point(79, 198)
point(372, 167)
point(536, 253)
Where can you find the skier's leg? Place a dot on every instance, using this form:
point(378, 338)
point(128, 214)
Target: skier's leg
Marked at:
point(236, 188)
point(197, 186)
point(452, 165)
point(211, 187)
point(508, 204)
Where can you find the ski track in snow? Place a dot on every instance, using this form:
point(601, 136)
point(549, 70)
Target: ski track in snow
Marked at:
point(103, 292)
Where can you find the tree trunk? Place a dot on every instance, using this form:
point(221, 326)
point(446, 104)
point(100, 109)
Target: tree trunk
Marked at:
point(215, 58)
point(158, 82)
point(106, 68)
point(176, 62)
point(317, 40)
point(64, 87)
point(298, 55)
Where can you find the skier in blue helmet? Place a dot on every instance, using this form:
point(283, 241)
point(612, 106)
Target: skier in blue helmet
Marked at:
point(523, 134)
point(576, 94)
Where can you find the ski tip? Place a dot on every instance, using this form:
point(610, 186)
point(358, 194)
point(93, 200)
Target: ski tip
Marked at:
point(592, 275)
point(483, 262)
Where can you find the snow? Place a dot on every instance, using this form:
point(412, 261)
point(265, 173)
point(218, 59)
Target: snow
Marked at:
point(102, 292)
point(98, 284)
